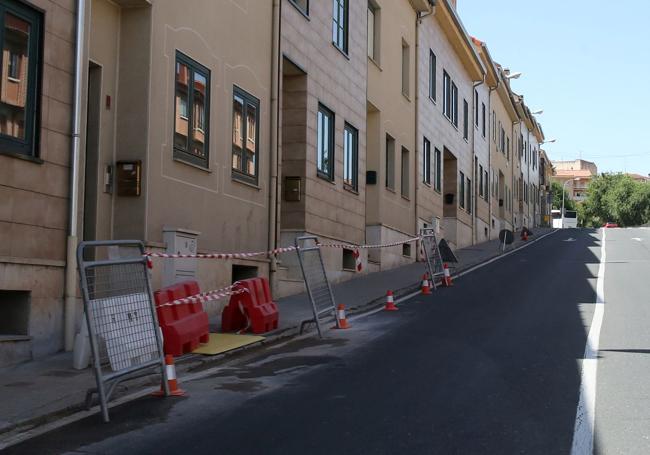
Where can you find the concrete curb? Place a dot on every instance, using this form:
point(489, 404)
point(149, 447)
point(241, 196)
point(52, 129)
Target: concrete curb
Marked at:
point(195, 365)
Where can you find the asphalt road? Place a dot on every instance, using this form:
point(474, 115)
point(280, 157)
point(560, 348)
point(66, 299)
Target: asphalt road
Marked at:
point(490, 366)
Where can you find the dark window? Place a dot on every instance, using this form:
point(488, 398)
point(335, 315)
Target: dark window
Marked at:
point(461, 191)
point(469, 196)
point(302, 5)
point(476, 108)
point(432, 75)
point(192, 111)
point(483, 119)
point(437, 184)
point(245, 134)
point(390, 162)
point(426, 161)
point(373, 31)
point(508, 148)
point(406, 69)
point(446, 95)
point(465, 119)
point(454, 103)
point(494, 126)
point(405, 173)
point(351, 157)
point(480, 184)
point(340, 15)
point(486, 183)
point(325, 141)
point(20, 37)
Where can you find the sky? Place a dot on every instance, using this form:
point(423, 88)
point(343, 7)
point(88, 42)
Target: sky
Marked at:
point(586, 63)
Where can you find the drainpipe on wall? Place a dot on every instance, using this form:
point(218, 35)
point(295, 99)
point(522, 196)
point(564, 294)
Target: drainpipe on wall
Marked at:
point(71, 260)
point(512, 214)
point(490, 127)
point(475, 85)
point(273, 165)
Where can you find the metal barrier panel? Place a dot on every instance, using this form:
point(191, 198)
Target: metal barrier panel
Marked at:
point(432, 254)
point(316, 282)
point(121, 316)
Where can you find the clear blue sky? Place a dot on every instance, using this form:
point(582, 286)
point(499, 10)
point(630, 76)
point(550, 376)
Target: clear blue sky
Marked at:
point(586, 63)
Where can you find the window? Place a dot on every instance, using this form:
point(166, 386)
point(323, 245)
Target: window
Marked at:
point(494, 126)
point(302, 5)
point(426, 161)
point(508, 148)
point(432, 75)
point(446, 95)
point(245, 131)
point(325, 143)
point(461, 191)
point(406, 67)
point(486, 181)
point(351, 157)
point(480, 176)
point(476, 108)
point(437, 184)
point(373, 31)
point(502, 139)
point(454, 103)
point(21, 62)
point(340, 25)
point(483, 119)
point(390, 162)
point(405, 173)
point(192, 112)
point(465, 120)
point(469, 196)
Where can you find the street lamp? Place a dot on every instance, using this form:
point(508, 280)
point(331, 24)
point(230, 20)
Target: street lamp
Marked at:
point(541, 111)
point(513, 76)
point(550, 141)
point(572, 180)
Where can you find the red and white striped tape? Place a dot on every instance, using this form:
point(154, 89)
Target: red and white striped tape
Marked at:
point(383, 245)
point(220, 255)
point(206, 296)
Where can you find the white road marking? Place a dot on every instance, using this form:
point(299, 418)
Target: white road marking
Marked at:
point(583, 431)
point(637, 239)
point(570, 239)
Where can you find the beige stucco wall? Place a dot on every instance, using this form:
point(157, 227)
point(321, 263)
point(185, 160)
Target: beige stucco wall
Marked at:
point(34, 195)
point(500, 162)
point(390, 215)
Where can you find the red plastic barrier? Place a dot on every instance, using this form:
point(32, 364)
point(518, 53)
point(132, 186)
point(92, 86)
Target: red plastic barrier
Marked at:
point(184, 326)
point(258, 305)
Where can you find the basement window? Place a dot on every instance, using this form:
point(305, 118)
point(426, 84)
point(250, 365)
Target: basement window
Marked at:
point(406, 250)
point(14, 313)
point(243, 272)
point(349, 262)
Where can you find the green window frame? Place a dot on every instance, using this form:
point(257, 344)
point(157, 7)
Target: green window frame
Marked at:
point(351, 157)
point(21, 32)
point(245, 137)
point(192, 130)
point(340, 24)
point(325, 143)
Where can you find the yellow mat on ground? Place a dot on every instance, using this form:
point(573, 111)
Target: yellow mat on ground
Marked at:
point(224, 342)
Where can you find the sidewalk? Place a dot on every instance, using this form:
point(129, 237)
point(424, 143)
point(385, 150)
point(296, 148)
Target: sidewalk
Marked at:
point(40, 391)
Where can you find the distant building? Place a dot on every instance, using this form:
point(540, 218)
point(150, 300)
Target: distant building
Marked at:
point(640, 178)
point(579, 173)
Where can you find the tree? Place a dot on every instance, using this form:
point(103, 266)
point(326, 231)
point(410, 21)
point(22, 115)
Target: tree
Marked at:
point(617, 198)
point(557, 190)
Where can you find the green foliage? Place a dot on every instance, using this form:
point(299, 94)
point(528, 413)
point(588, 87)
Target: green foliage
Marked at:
point(556, 189)
point(617, 198)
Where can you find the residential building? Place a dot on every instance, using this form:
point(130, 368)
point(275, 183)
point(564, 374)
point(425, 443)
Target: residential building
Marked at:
point(578, 173)
point(449, 70)
point(390, 134)
point(546, 195)
point(36, 104)
point(639, 178)
point(322, 150)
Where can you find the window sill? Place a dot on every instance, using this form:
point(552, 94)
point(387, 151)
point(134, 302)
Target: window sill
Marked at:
point(428, 185)
point(345, 54)
point(433, 100)
point(325, 177)
point(244, 180)
point(194, 165)
point(405, 95)
point(375, 62)
point(21, 156)
point(392, 190)
point(406, 198)
point(350, 189)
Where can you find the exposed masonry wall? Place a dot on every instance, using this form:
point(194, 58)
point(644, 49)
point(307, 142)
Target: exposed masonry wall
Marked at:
point(438, 129)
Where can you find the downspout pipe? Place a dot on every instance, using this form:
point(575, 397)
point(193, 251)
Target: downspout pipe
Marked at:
point(490, 139)
point(475, 85)
point(71, 260)
point(273, 162)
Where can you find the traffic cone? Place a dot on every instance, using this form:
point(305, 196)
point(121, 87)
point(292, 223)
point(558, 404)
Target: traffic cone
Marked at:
point(446, 281)
point(524, 235)
point(174, 390)
point(425, 285)
point(390, 302)
point(343, 322)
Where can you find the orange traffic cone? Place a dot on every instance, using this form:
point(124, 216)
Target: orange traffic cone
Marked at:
point(174, 390)
point(340, 314)
point(390, 302)
point(446, 281)
point(524, 235)
point(425, 285)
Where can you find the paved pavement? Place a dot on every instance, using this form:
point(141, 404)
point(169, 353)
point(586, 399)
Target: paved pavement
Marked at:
point(489, 366)
point(35, 392)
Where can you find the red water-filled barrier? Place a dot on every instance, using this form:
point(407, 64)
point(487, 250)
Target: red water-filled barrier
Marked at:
point(256, 305)
point(184, 326)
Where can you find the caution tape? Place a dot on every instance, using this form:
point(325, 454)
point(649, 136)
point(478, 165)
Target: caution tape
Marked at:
point(206, 296)
point(383, 245)
point(220, 255)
